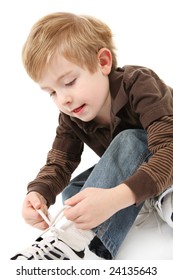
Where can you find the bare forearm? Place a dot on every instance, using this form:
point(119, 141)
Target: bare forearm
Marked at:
point(121, 197)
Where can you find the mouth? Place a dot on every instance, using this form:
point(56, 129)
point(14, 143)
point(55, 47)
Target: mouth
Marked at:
point(77, 110)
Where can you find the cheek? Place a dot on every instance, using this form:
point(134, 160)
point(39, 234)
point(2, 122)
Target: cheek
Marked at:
point(56, 101)
point(105, 87)
point(102, 88)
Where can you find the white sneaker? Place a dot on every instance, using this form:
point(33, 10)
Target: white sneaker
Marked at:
point(64, 243)
point(164, 206)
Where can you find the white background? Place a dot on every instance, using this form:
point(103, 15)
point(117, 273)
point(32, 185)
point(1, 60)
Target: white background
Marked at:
point(28, 117)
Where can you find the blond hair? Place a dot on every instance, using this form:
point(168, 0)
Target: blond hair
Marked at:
point(77, 38)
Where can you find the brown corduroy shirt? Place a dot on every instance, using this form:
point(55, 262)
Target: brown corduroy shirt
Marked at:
point(140, 99)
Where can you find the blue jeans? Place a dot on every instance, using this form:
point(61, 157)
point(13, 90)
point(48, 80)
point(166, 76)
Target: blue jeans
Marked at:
point(127, 151)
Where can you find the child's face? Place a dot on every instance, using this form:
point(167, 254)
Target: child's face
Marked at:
point(76, 91)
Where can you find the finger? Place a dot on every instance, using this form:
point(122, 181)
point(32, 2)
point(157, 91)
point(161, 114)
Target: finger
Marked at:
point(43, 209)
point(84, 226)
point(29, 213)
point(44, 216)
point(41, 225)
point(35, 220)
point(71, 213)
point(33, 202)
point(37, 204)
point(74, 199)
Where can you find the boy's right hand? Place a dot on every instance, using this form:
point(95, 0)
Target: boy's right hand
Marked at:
point(34, 201)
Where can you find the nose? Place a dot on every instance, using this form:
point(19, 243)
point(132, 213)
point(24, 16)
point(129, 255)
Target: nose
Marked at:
point(66, 100)
point(63, 100)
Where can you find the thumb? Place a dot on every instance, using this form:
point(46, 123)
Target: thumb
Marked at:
point(40, 207)
point(37, 204)
point(36, 200)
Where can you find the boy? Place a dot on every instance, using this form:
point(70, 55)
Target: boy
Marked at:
point(123, 114)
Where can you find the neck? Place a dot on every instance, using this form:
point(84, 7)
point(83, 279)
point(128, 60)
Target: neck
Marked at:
point(104, 117)
point(105, 121)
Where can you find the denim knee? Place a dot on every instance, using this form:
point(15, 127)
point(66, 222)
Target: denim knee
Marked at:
point(129, 142)
point(131, 136)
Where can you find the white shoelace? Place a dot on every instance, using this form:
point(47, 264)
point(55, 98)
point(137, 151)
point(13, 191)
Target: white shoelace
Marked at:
point(51, 221)
point(40, 248)
point(48, 219)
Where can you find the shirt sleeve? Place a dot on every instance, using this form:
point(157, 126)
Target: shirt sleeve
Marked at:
point(62, 160)
point(154, 176)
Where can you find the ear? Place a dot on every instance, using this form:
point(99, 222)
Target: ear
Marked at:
point(105, 60)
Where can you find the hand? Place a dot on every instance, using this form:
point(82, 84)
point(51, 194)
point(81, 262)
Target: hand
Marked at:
point(90, 207)
point(32, 202)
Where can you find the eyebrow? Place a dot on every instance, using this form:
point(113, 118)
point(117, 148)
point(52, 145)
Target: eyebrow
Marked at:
point(58, 79)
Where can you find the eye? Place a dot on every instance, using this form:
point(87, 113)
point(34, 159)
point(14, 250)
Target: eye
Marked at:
point(70, 83)
point(52, 93)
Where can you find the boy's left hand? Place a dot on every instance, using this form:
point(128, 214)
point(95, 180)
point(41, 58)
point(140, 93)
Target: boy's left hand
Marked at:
point(90, 207)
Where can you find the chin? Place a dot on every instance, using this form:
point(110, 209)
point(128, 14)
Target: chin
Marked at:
point(87, 119)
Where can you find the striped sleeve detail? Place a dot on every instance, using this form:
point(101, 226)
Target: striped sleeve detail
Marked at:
point(65, 160)
point(55, 175)
point(160, 143)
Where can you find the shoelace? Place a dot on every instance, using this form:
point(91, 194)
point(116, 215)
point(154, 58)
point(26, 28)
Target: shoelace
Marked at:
point(40, 248)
